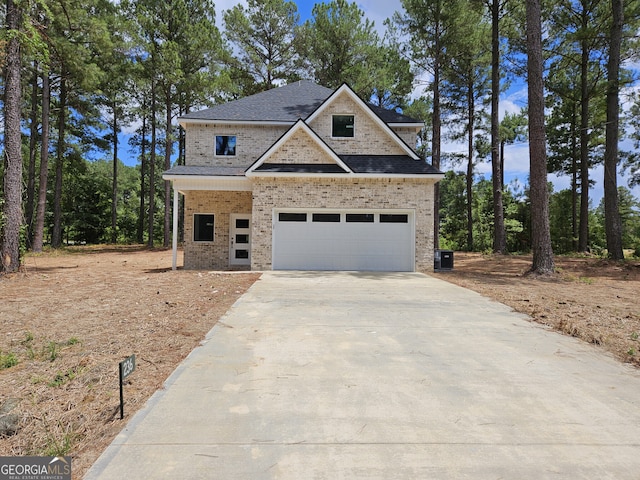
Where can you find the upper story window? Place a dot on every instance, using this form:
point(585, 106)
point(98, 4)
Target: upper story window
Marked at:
point(225, 145)
point(343, 126)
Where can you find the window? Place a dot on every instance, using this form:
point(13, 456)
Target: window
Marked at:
point(394, 218)
point(342, 126)
point(203, 227)
point(226, 145)
point(292, 217)
point(359, 217)
point(326, 217)
point(242, 223)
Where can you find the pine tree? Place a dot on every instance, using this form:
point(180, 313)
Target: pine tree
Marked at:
point(12, 208)
point(543, 263)
point(263, 33)
point(613, 226)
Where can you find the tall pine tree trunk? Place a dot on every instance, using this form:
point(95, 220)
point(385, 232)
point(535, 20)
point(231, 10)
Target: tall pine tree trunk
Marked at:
point(583, 239)
point(114, 184)
point(470, 127)
point(12, 209)
point(613, 226)
point(38, 232)
point(56, 236)
point(33, 147)
point(167, 166)
point(574, 181)
point(152, 166)
point(436, 128)
point(143, 172)
point(499, 236)
point(543, 263)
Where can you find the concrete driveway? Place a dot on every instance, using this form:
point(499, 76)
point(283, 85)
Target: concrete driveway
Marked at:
point(383, 376)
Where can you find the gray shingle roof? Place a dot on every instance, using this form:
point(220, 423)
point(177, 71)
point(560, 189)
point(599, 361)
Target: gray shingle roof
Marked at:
point(388, 164)
point(284, 104)
point(371, 164)
point(300, 168)
point(368, 164)
point(289, 103)
point(391, 116)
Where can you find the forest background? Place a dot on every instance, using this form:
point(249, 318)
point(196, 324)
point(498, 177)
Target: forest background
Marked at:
point(103, 83)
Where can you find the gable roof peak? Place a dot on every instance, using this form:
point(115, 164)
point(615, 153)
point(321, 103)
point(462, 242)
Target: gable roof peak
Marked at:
point(285, 104)
point(300, 125)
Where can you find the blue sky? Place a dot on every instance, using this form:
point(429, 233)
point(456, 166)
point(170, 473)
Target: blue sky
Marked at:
point(513, 100)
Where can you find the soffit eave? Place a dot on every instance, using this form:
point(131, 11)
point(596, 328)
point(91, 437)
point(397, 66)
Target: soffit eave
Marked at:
point(184, 183)
point(202, 121)
point(349, 176)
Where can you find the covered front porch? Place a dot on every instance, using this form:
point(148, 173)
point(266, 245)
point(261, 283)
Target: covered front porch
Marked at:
point(217, 218)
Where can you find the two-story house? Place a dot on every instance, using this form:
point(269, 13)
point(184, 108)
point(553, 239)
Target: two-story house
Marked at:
point(303, 177)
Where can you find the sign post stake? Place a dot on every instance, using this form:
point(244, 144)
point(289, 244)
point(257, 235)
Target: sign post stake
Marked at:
point(125, 368)
point(121, 393)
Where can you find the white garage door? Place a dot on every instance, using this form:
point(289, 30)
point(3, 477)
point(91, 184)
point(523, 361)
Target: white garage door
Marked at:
point(343, 240)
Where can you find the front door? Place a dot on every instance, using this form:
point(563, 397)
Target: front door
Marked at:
point(240, 239)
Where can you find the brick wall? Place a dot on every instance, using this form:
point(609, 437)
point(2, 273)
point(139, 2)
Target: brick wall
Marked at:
point(300, 148)
point(211, 255)
point(408, 134)
point(251, 142)
point(270, 193)
point(369, 138)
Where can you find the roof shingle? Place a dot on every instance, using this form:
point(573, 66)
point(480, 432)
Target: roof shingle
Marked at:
point(388, 164)
point(289, 103)
point(300, 168)
point(285, 104)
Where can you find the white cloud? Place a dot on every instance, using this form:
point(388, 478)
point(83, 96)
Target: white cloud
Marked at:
point(221, 6)
point(516, 159)
point(378, 11)
point(131, 128)
point(513, 101)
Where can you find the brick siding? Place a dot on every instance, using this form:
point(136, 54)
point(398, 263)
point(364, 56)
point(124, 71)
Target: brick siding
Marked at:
point(270, 193)
point(300, 148)
point(212, 255)
point(369, 138)
point(251, 142)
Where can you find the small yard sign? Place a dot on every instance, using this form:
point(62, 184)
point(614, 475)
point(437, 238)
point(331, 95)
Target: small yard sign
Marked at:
point(127, 367)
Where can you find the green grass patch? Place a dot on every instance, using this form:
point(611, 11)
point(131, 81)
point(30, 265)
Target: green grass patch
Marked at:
point(8, 360)
point(62, 378)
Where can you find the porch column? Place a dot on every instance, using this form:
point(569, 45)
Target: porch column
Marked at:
point(175, 228)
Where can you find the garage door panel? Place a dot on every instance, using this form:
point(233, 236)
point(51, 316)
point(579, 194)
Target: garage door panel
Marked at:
point(330, 245)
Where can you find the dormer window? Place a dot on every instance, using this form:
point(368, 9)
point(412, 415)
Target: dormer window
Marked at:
point(343, 126)
point(225, 145)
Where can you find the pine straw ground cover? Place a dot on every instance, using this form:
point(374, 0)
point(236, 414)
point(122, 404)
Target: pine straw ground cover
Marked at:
point(70, 317)
point(592, 299)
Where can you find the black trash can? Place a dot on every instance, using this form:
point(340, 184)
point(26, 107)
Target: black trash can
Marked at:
point(443, 260)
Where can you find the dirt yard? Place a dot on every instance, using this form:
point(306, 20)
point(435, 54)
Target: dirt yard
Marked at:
point(69, 317)
point(595, 300)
